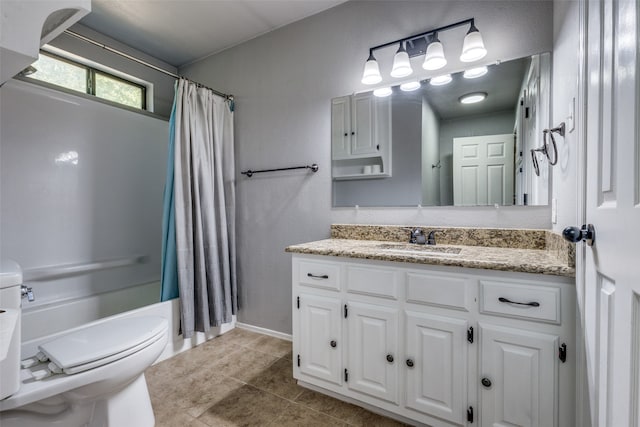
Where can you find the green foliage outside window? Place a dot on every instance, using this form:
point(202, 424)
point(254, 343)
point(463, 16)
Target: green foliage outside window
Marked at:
point(81, 78)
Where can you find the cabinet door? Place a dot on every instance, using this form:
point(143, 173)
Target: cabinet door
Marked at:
point(373, 350)
point(521, 366)
point(340, 127)
point(362, 142)
point(320, 337)
point(437, 351)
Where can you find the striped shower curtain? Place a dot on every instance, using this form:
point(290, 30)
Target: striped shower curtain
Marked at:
point(203, 199)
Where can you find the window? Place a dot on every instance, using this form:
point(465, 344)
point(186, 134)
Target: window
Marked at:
point(83, 78)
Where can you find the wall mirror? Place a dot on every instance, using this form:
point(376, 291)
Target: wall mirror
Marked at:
point(430, 146)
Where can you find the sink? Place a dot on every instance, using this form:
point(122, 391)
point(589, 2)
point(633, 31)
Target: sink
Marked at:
point(414, 249)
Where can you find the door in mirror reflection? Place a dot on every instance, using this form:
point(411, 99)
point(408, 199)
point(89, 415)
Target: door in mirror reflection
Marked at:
point(483, 170)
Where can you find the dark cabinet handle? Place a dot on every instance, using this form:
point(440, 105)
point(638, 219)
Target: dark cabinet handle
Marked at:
point(390, 358)
point(353, 133)
point(410, 363)
point(324, 276)
point(486, 382)
point(530, 304)
point(346, 134)
point(333, 343)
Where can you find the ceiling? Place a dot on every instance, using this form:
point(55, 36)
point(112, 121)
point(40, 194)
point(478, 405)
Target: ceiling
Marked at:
point(182, 31)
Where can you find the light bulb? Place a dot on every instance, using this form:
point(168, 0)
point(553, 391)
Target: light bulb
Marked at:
point(382, 92)
point(441, 80)
point(474, 73)
point(410, 86)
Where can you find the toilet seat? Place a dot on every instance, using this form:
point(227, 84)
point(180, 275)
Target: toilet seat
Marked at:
point(103, 343)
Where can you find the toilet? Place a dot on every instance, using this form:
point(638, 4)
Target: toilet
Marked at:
point(89, 376)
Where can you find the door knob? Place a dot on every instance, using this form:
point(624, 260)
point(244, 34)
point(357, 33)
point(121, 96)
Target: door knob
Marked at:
point(574, 234)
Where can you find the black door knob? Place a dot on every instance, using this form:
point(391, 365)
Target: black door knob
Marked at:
point(389, 358)
point(574, 234)
point(410, 363)
point(486, 382)
point(333, 343)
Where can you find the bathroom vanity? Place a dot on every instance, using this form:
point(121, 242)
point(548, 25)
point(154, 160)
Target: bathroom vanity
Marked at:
point(440, 335)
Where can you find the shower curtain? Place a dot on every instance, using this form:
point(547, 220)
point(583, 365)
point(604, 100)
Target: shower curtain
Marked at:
point(203, 201)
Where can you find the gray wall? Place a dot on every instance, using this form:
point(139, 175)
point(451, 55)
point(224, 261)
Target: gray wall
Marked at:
point(283, 83)
point(430, 155)
point(403, 188)
point(492, 124)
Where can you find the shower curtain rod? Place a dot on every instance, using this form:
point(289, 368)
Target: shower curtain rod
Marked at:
point(141, 62)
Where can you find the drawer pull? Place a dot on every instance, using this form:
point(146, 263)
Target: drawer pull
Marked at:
point(530, 304)
point(390, 358)
point(333, 343)
point(410, 363)
point(324, 276)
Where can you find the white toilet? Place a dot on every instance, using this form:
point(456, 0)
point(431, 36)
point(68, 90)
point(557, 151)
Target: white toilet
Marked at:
point(89, 376)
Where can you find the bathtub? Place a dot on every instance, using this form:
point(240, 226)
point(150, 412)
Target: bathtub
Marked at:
point(55, 319)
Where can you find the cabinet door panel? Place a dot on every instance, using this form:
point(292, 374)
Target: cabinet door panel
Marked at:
point(363, 120)
point(340, 127)
point(436, 384)
point(521, 366)
point(372, 336)
point(320, 324)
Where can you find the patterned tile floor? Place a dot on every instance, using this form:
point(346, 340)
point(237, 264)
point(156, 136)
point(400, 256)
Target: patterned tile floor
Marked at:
point(244, 379)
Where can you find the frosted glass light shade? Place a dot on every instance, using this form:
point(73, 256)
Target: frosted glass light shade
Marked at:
point(441, 80)
point(472, 98)
point(474, 73)
point(401, 65)
point(371, 74)
point(382, 92)
point(434, 59)
point(410, 86)
point(473, 46)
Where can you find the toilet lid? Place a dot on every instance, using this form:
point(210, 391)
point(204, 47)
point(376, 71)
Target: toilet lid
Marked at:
point(102, 343)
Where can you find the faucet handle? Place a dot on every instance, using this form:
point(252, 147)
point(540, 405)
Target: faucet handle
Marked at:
point(27, 292)
point(431, 239)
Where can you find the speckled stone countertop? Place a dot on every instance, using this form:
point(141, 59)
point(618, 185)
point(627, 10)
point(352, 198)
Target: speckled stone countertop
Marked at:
point(538, 252)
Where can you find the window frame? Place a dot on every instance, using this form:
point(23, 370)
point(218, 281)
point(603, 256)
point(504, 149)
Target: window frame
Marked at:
point(90, 85)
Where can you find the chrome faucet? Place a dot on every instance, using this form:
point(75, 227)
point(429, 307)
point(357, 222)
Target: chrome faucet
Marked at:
point(417, 237)
point(27, 292)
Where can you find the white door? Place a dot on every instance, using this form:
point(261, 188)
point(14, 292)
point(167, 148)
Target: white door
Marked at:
point(373, 350)
point(436, 366)
point(320, 334)
point(517, 377)
point(340, 127)
point(483, 170)
point(611, 306)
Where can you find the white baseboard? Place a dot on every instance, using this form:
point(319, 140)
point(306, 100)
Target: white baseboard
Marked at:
point(264, 331)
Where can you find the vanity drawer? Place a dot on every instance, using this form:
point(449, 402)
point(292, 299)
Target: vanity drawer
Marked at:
point(379, 282)
point(319, 274)
point(535, 302)
point(438, 290)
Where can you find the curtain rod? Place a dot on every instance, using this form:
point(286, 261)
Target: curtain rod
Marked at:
point(141, 62)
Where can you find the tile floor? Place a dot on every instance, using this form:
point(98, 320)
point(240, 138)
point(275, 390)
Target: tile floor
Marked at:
point(243, 379)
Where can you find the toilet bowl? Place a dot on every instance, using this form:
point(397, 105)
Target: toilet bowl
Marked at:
point(89, 376)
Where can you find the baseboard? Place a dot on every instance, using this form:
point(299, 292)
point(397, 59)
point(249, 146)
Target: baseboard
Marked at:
point(264, 331)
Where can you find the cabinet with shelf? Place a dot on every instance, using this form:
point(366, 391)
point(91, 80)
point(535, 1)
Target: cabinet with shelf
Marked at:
point(360, 137)
point(429, 344)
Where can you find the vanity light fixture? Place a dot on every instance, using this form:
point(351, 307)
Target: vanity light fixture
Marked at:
point(401, 65)
point(434, 59)
point(410, 86)
point(382, 92)
point(371, 75)
point(441, 80)
point(472, 98)
point(473, 46)
point(427, 44)
point(474, 73)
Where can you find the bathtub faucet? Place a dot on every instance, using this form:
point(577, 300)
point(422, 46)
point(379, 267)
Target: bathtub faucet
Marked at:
point(27, 292)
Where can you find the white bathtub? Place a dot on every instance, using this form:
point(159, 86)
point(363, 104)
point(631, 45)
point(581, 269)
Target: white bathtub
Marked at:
point(55, 319)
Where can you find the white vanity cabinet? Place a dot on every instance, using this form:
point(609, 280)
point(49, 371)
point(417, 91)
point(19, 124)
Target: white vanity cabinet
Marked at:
point(436, 345)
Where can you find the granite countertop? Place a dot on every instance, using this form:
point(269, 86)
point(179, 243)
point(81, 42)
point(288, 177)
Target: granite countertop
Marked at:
point(525, 260)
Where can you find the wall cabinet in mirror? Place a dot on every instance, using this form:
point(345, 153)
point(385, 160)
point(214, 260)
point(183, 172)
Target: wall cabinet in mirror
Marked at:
point(360, 137)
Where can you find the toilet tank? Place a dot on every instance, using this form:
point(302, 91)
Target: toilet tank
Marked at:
point(10, 320)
